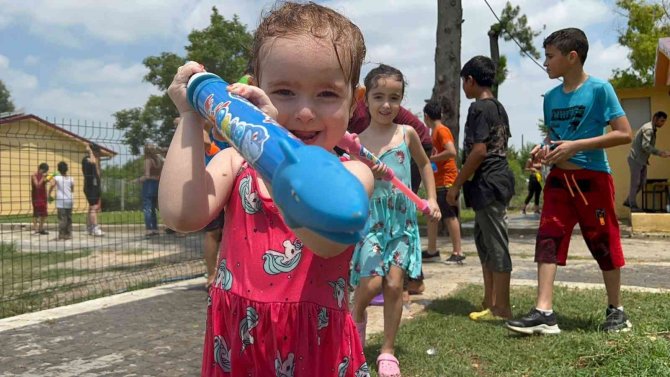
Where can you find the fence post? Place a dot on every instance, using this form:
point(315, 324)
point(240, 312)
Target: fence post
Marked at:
point(123, 195)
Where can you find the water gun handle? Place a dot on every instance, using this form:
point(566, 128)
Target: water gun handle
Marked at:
point(350, 144)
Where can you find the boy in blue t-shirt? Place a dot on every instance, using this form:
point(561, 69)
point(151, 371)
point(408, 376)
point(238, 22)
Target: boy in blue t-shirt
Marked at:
point(579, 188)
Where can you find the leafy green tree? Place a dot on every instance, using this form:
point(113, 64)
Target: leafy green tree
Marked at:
point(510, 26)
point(647, 22)
point(544, 130)
point(6, 105)
point(222, 47)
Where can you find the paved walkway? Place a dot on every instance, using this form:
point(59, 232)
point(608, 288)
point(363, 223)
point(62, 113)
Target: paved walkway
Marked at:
point(159, 331)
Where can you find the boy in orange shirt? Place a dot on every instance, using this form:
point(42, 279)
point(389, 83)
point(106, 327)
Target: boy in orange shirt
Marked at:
point(444, 157)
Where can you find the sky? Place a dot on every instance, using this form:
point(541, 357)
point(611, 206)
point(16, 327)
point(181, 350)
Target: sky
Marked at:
point(82, 60)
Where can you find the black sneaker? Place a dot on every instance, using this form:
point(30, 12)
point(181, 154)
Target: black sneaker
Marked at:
point(535, 322)
point(430, 258)
point(616, 320)
point(455, 259)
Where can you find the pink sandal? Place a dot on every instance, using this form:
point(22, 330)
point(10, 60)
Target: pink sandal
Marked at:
point(388, 366)
point(360, 328)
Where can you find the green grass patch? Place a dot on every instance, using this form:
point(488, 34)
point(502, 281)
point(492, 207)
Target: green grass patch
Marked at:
point(107, 218)
point(18, 267)
point(467, 348)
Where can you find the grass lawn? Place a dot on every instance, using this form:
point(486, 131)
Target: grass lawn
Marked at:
point(466, 348)
point(17, 267)
point(107, 218)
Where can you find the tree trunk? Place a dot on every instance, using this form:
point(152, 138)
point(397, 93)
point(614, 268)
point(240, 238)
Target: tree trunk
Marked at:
point(495, 56)
point(448, 63)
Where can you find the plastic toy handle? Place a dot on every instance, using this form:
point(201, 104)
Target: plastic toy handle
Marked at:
point(353, 147)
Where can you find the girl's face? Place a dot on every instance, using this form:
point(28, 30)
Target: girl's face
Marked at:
point(305, 82)
point(384, 99)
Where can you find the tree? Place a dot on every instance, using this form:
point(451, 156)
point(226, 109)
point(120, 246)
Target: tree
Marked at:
point(646, 24)
point(543, 128)
point(6, 105)
point(222, 47)
point(510, 26)
point(448, 62)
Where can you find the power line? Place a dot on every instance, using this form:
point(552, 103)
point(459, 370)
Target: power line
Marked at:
point(514, 39)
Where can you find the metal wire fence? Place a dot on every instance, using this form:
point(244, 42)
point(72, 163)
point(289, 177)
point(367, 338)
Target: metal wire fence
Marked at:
point(39, 270)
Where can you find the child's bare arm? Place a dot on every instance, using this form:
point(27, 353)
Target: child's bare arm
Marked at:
point(448, 152)
point(621, 134)
point(324, 247)
point(475, 158)
point(190, 195)
point(426, 171)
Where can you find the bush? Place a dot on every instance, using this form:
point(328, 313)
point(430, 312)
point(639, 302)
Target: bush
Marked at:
point(111, 200)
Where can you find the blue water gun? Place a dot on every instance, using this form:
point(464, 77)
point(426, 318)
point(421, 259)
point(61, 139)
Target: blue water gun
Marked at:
point(310, 185)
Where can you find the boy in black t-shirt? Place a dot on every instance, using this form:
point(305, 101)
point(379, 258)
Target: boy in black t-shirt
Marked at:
point(488, 184)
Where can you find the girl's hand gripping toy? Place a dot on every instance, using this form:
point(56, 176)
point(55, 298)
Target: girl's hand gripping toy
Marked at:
point(310, 185)
point(354, 148)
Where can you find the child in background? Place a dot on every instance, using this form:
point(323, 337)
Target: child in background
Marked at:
point(534, 167)
point(153, 164)
point(579, 188)
point(278, 304)
point(488, 184)
point(64, 185)
point(445, 174)
point(392, 247)
point(38, 192)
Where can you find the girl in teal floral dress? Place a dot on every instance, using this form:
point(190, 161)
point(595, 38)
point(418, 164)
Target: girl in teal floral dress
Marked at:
point(392, 247)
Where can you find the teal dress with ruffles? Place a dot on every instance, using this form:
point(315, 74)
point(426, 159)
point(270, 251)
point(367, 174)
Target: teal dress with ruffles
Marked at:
point(393, 238)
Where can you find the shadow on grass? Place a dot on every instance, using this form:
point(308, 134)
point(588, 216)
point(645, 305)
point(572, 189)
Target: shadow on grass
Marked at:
point(568, 322)
point(452, 306)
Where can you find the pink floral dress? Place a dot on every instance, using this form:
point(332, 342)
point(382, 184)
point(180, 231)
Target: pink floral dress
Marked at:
point(275, 308)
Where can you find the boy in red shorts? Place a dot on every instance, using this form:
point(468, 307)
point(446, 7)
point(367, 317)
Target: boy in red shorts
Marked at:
point(579, 188)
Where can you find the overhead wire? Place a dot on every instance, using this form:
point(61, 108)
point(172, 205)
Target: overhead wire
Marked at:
point(532, 58)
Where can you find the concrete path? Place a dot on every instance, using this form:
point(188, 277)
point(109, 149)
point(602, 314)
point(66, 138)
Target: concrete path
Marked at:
point(159, 331)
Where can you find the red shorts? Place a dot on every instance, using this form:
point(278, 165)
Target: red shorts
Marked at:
point(564, 206)
point(40, 208)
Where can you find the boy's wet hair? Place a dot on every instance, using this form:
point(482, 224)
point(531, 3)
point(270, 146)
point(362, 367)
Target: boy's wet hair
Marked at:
point(482, 69)
point(43, 166)
point(660, 115)
point(433, 110)
point(292, 19)
point(383, 71)
point(62, 167)
point(567, 40)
